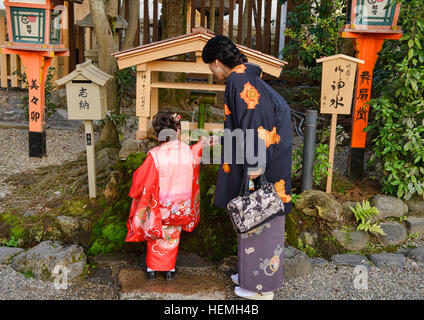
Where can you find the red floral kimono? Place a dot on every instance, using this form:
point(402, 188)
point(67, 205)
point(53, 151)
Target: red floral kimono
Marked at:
point(166, 199)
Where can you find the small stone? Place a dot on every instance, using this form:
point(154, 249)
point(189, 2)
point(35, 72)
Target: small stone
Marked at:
point(395, 233)
point(29, 213)
point(228, 265)
point(308, 238)
point(388, 207)
point(386, 259)
point(129, 146)
point(416, 254)
point(320, 262)
point(350, 260)
point(42, 259)
point(15, 101)
point(7, 252)
point(415, 225)
point(320, 204)
point(415, 205)
point(295, 263)
point(351, 240)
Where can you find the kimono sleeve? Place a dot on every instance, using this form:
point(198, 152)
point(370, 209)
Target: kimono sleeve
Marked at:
point(145, 222)
point(244, 118)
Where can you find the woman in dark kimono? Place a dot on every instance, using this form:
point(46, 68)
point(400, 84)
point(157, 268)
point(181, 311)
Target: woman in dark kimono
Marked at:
point(259, 119)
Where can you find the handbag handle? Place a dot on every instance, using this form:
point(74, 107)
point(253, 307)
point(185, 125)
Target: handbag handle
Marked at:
point(246, 184)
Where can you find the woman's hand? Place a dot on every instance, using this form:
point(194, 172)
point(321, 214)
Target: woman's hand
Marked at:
point(254, 174)
point(210, 141)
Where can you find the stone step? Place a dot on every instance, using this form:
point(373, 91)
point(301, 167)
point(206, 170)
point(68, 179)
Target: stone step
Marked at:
point(185, 286)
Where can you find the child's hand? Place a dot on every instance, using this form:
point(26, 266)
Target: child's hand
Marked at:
point(210, 141)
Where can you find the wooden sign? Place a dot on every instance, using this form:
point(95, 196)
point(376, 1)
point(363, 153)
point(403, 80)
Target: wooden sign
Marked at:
point(338, 80)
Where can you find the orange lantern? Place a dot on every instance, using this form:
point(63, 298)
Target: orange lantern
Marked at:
point(35, 29)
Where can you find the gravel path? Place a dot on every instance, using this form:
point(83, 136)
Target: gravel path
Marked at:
point(333, 282)
point(328, 282)
point(14, 286)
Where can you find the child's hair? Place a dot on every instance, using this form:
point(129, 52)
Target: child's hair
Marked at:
point(166, 120)
point(223, 49)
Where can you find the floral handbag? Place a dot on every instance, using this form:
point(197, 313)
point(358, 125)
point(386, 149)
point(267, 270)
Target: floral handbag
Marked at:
point(250, 210)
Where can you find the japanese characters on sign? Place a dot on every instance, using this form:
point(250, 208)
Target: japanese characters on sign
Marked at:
point(143, 93)
point(338, 79)
point(375, 11)
point(34, 102)
point(28, 24)
point(363, 96)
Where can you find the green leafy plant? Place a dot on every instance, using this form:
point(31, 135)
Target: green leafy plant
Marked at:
point(126, 79)
point(313, 28)
point(310, 251)
point(12, 242)
point(398, 110)
point(363, 213)
point(121, 122)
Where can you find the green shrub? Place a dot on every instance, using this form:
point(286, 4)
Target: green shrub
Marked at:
point(399, 111)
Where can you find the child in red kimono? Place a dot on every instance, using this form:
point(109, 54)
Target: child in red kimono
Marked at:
point(166, 196)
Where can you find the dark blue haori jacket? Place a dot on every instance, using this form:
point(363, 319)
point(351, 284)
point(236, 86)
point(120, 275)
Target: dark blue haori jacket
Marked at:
point(258, 134)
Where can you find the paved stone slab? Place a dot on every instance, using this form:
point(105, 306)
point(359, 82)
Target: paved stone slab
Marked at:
point(134, 286)
point(186, 259)
point(350, 260)
point(415, 225)
point(7, 252)
point(416, 254)
point(386, 259)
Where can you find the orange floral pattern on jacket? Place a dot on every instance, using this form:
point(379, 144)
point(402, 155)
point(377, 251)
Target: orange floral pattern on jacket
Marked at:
point(250, 95)
point(227, 112)
point(280, 187)
point(270, 137)
point(226, 167)
point(241, 68)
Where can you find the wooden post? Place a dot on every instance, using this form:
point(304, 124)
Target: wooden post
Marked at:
point(338, 79)
point(36, 67)
point(91, 158)
point(154, 96)
point(331, 154)
point(367, 47)
point(13, 68)
point(3, 57)
point(143, 95)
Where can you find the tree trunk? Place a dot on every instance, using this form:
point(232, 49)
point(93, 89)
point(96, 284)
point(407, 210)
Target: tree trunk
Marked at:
point(104, 14)
point(174, 24)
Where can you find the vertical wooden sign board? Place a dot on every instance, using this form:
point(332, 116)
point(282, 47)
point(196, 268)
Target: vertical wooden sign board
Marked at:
point(86, 100)
point(338, 80)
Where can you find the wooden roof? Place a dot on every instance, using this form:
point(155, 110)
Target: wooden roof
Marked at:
point(341, 56)
point(87, 70)
point(191, 42)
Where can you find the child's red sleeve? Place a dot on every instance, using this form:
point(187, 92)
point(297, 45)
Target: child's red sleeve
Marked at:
point(144, 178)
point(196, 150)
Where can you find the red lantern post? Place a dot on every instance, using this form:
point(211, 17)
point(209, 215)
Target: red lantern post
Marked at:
point(35, 30)
point(369, 23)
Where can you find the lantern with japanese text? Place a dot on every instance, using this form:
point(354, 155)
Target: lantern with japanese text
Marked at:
point(372, 15)
point(35, 29)
point(369, 23)
point(35, 24)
